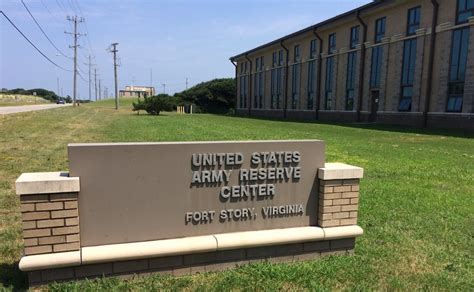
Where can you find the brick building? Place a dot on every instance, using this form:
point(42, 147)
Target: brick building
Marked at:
point(411, 73)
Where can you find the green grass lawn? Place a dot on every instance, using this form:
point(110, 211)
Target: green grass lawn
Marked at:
point(417, 197)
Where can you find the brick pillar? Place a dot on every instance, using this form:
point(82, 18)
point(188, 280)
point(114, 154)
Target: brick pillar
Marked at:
point(338, 194)
point(49, 210)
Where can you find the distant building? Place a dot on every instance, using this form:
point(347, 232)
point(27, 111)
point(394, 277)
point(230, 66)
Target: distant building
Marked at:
point(137, 91)
point(390, 61)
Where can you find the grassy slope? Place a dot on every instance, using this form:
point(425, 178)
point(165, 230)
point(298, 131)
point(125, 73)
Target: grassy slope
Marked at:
point(16, 99)
point(416, 197)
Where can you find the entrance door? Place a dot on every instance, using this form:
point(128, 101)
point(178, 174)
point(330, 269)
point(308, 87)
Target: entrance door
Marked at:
point(374, 106)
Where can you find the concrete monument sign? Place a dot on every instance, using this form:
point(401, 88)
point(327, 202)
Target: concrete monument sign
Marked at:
point(196, 188)
point(185, 207)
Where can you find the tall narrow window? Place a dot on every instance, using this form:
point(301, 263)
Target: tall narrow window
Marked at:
point(377, 53)
point(295, 78)
point(261, 82)
point(312, 49)
point(465, 10)
point(457, 70)
point(256, 84)
point(350, 81)
point(376, 67)
point(408, 75)
point(380, 29)
point(243, 85)
point(332, 44)
point(354, 41)
point(329, 83)
point(311, 84)
point(311, 75)
point(413, 20)
point(276, 79)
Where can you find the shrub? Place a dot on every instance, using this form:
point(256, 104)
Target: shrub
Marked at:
point(153, 105)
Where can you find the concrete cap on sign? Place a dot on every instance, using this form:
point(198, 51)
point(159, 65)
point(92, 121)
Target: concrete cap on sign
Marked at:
point(50, 260)
point(187, 245)
point(46, 183)
point(148, 249)
point(248, 239)
point(340, 171)
point(331, 233)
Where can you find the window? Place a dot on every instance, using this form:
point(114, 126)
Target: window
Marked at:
point(350, 81)
point(354, 41)
point(376, 67)
point(275, 62)
point(312, 49)
point(276, 80)
point(380, 29)
point(311, 84)
point(332, 44)
point(464, 11)
point(413, 20)
point(329, 83)
point(243, 91)
point(408, 75)
point(457, 69)
point(297, 55)
point(259, 82)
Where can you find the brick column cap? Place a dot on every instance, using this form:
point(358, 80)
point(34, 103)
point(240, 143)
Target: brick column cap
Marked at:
point(46, 183)
point(338, 170)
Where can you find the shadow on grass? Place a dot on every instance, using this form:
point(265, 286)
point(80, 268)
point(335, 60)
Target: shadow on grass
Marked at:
point(459, 133)
point(11, 277)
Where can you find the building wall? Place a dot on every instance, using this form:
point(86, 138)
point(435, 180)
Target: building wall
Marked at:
point(391, 69)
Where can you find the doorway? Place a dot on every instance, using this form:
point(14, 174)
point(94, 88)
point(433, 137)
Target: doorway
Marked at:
point(374, 106)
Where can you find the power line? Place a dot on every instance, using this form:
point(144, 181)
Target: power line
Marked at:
point(44, 33)
point(39, 51)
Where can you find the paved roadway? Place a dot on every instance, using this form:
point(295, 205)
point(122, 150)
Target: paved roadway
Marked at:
point(5, 110)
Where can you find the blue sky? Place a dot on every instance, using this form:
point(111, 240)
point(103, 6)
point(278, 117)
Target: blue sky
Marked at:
point(175, 40)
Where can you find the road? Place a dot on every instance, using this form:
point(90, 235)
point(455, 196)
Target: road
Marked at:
point(5, 110)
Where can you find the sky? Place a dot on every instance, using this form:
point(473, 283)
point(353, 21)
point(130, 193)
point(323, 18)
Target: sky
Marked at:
point(160, 41)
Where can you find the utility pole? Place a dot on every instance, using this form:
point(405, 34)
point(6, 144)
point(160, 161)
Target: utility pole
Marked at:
point(113, 49)
point(106, 92)
point(90, 81)
point(100, 93)
point(186, 83)
point(58, 86)
point(95, 82)
point(75, 20)
point(164, 87)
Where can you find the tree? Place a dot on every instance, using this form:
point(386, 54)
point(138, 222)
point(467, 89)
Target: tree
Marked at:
point(215, 96)
point(153, 105)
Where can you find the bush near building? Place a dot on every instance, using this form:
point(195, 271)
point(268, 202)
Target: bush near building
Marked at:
point(215, 96)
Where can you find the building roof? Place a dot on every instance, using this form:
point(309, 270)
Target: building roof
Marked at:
point(313, 27)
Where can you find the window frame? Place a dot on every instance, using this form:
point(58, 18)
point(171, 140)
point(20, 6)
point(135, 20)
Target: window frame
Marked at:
point(332, 43)
point(350, 80)
point(378, 36)
point(415, 24)
point(329, 84)
point(313, 49)
point(458, 12)
point(311, 92)
point(353, 42)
